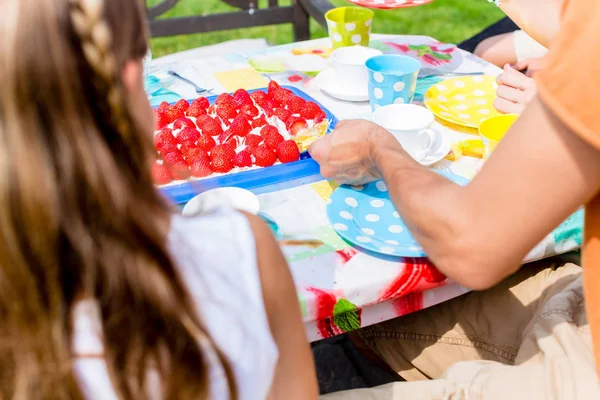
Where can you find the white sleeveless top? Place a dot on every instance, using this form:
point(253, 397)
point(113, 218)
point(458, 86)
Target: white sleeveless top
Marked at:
point(216, 257)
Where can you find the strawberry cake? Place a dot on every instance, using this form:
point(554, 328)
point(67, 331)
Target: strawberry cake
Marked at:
point(238, 132)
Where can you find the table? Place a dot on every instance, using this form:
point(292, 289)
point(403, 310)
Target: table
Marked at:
point(342, 288)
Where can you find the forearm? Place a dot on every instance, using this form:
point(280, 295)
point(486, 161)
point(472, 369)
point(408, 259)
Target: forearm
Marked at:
point(540, 19)
point(435, 212)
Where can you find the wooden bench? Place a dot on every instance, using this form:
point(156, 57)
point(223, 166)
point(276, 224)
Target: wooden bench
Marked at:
point(250, 15)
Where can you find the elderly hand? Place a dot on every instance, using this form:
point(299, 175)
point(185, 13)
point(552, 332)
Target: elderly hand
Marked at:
point(347, 154)
point(514, 92)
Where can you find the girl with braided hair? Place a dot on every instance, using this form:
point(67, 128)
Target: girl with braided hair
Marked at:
point(104, 292)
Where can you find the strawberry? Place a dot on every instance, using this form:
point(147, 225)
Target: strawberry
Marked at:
point(320, 117)
point(251, 148)
point(190, 134)
point(296, 104)
point(242, 159)
point(259, 97)
point(209, 126)
point(184, 123)
point(221, 161)
point(253, 140)
point(177, 166)
point(163, 107)
point(226, 111)
point(173, 114)
point(295, 125)
point(288, 152)
point(259, 122)
point(272, 140)
point(264, 156)
point(212, 109)
point(310, 110)
point(201, 102)
point(224, 98)
point(206, 142)
point(226, 136)
point(240, 127)
point(168, 148)
point(182, 105)
point(269, 107)
point(282, 114)
point(195, 111)
point(282, 96)
point(241, 98)
point(189, 143)
point(249, 110)
point(269, 129)
point(231, 144)
point(194, 155)
point(223, 150)
point(201, 166)
point(160, 121)
point(164, 137)
point(161, 174)
point(273, 87)
point(185, 149)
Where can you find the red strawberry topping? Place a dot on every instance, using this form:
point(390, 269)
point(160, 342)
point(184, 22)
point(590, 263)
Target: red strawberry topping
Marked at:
point(185, 149)
point(242, 159)
point(168, 148)
point(273, 87)
point(267, 130)
point(161, 174)
point(241, 98)
point(296, 104)
point(221, 163)
point(259, 122)
point(265, 157)
point(206, 142)
point(226, 111)
point(269, 107)
point(224, 98)
point(282, 114)
point(223, 150)
point(188, 134)
point(184, 123)
point(201, 166)
point(164, 137)
point(240, 126)
point(282, 96)
point(310, 110)
point(209, 126)
point(194, 155)
point(272, 140)
point(288, 152)
point(259, 97)
point(295, 125)
point(182, 105)
point(253, 140)
point(195, 111)
point(160, 120)
point(201, 102)
point(249, 110)
point(320, 117)
point(173, 114)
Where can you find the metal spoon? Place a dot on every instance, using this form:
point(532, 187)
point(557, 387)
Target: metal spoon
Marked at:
point(198, 89)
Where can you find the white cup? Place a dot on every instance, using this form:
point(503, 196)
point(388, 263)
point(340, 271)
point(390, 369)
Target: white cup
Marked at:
point(349, 64)
point(411, 125)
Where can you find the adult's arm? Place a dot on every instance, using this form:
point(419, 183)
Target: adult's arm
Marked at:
point(477, 235)
point(540, 19)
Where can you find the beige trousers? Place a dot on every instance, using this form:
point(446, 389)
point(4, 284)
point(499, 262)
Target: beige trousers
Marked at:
point(525, 339)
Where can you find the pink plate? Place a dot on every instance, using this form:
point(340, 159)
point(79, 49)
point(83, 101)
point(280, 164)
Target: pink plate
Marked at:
point(389, 4)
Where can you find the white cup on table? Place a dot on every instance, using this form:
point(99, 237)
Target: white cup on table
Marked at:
point(411, 125)
point(349, 64)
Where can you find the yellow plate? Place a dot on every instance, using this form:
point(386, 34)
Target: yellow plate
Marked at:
point(466, 100)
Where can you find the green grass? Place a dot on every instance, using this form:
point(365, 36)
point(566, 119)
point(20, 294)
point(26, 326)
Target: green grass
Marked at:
point(449, 21)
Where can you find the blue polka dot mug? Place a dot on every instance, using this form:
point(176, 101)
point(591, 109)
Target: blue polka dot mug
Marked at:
point(392, 79)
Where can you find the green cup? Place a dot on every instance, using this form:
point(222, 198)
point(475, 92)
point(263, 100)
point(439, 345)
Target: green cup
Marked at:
point(349, 26)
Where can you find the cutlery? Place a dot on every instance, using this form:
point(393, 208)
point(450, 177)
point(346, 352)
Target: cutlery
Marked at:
point(198, 89)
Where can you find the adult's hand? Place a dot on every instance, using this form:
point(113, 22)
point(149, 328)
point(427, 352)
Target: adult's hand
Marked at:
point(347, 154)
point(514, 92)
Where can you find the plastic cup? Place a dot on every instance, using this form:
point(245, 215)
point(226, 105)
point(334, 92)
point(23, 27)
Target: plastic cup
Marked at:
point(392, 79)
point(493, 129)
point(349, 26)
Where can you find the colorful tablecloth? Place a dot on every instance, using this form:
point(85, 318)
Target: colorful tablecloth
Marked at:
point(340, 287)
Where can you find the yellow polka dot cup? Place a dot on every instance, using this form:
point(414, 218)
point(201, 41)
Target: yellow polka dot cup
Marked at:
point(392, 79)
point(349, 26)
point(493, 129)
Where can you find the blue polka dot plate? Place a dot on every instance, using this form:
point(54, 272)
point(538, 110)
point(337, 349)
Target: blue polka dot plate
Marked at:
point(366, 217)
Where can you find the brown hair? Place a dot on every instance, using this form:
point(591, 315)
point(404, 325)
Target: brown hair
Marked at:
point(79, 216)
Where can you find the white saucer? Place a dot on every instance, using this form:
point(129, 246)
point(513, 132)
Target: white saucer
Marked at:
point(329, 83)
point(240, 199)
point(440, 149)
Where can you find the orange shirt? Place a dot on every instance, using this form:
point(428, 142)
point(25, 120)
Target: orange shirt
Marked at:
point(570, 87)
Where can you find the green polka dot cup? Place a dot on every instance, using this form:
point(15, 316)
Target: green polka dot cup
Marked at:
point(349, 26)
